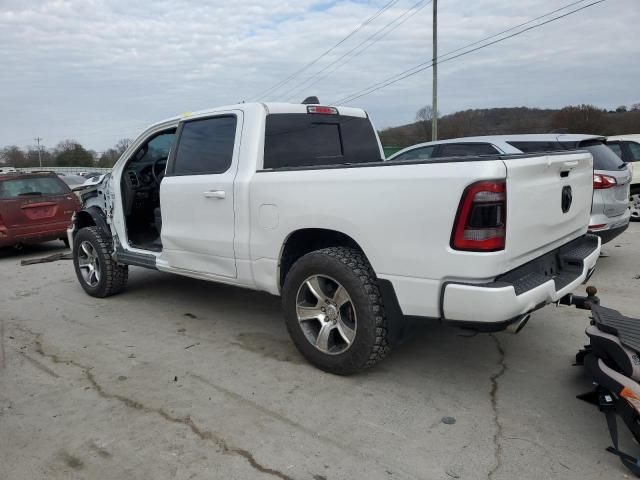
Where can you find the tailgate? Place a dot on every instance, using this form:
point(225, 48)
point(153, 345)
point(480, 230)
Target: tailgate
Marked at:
point(27, 212)
point(548, 203)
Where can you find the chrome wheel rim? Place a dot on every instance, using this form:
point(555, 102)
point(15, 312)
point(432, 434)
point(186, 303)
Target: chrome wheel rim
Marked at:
point(634, 204)
point(89, 264)
point(326, 314)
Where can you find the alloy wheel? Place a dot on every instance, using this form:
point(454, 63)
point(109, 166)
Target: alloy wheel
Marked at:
point(89, 264)
point(326, 314)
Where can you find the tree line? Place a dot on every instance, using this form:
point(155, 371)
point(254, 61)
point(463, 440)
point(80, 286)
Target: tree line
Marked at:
point(68, 153)
point(500, 121)
point(490, 121)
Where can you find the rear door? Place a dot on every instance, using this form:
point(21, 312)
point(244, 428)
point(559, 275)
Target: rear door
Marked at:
point(548, 203)
point(36, 204)
point(196, 196)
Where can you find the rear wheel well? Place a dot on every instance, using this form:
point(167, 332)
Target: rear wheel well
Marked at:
point(307, 240)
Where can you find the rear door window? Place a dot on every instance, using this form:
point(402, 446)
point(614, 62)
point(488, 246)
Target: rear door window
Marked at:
point(205, 146)
point(422, 153)
point(32, 187)
point(465, 149)
point(302, 139)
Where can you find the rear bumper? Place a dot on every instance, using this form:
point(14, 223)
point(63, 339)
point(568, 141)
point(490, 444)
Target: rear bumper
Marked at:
point(9, 237)
point(609, 227)
point(492, 306)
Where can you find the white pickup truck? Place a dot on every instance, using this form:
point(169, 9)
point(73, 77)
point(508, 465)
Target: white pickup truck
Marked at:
point(295, 200)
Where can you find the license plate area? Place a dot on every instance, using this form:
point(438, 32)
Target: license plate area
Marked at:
point(40, 211)
point(562, 265)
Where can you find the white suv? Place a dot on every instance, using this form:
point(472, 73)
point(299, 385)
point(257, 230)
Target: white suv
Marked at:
point(611, 178)
point(627, 147)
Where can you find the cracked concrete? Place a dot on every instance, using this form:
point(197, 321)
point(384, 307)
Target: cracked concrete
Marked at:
point(130, 403)
point(493, 395)
point(108, 390)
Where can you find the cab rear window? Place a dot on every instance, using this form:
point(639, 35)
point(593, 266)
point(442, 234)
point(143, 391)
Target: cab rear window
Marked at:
point(22, 187)
point(307, 140)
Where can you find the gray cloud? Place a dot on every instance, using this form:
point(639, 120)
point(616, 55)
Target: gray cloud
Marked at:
point(101, 70)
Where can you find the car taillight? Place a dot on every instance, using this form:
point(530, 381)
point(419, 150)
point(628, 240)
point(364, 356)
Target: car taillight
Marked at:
point(603, 181)
point(3, 228)
point(482, 217)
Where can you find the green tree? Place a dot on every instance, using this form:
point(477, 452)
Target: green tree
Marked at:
point(13, 156)
point(69, 153)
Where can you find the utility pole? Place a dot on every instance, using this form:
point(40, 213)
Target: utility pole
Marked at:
point(434, 100)
point(38, 139)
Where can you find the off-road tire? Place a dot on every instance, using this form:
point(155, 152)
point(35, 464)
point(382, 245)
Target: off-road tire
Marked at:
point(351, 269)
point(113, 276)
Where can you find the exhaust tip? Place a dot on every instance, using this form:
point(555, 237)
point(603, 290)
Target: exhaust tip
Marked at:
point(518, 324)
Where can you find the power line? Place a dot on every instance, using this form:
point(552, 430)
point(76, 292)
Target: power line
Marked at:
point(323, 73)
point(39, 139)
point(425, 65)
point(370, 19)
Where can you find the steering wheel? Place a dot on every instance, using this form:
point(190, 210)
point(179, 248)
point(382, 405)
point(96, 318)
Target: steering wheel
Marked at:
point(158, 176)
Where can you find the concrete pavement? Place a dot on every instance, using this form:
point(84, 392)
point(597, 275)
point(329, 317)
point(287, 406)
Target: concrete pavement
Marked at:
point(179, 378)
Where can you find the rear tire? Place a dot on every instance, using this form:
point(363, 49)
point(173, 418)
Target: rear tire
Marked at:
point(634, 204)
point(348, 306)
point(98, 274)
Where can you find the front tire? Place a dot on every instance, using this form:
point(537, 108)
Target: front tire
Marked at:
point(334, 310)
point(97, 273)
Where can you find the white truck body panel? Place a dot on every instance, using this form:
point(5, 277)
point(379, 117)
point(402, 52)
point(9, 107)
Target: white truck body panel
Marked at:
point(232, 227)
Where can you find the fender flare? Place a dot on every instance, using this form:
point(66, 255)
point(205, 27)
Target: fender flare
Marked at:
point(98, 217)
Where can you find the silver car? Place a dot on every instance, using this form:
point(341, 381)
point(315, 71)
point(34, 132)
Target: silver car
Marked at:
point(611, 177)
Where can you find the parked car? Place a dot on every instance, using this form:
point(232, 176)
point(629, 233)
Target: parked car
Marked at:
point(611, 179)
point(296, 200)
point(90, 175)
point(73, 180)
point(34, 207)
point(627, 147)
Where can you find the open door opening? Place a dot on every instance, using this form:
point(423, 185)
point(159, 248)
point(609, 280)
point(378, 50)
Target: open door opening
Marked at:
point(140, 186)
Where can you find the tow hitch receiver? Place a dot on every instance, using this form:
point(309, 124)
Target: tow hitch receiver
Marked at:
point(581, 302)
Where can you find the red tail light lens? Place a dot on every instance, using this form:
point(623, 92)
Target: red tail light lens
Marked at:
point(3, 228)
point(603, 181)
point(482, 217)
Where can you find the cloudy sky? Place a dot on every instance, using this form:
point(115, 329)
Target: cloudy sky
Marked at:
point(101, 70)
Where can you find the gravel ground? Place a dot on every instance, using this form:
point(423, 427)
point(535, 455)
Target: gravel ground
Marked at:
point(183, 379)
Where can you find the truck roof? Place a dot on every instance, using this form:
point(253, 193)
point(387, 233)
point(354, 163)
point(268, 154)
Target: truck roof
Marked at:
point(269, 107)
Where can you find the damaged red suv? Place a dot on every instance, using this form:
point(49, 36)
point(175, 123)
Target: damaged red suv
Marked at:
point(34, 207)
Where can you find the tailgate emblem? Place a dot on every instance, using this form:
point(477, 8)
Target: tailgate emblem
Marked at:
point(567, 199)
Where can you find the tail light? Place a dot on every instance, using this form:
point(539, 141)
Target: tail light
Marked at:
point(3, 228)
point(603, 181)
point(481, 222)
